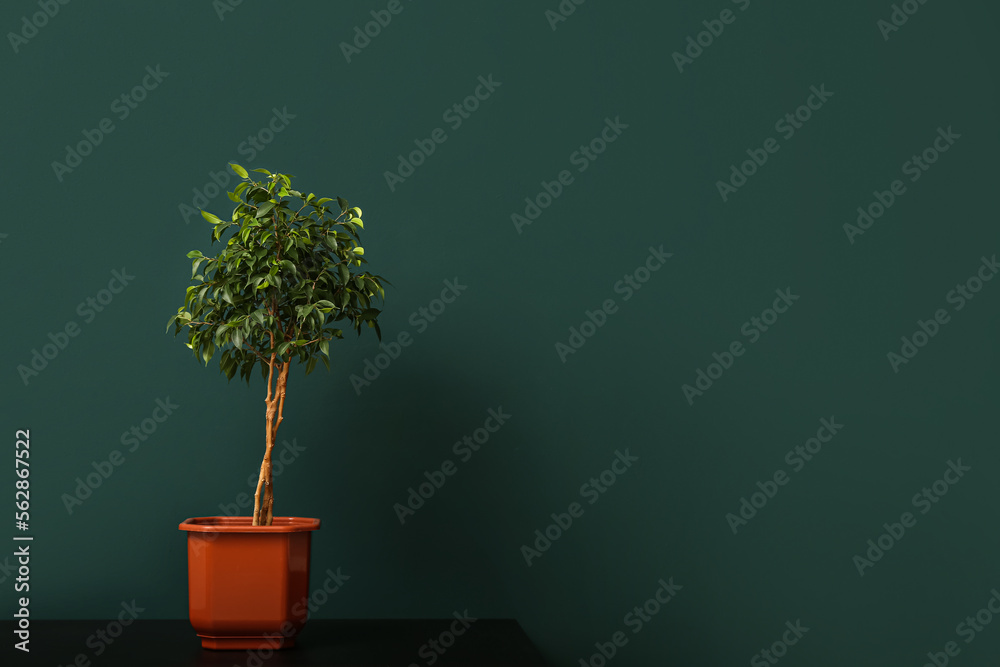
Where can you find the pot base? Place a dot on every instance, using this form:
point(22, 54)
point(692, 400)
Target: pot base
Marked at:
point(250, 642)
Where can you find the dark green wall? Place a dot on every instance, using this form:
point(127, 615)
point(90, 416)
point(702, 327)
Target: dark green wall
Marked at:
point(495, 345)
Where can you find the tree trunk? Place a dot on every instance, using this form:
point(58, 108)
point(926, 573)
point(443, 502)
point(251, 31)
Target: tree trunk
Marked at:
point(263, 511)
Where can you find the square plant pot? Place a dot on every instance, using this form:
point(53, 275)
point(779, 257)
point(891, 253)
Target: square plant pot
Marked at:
point(248, 585)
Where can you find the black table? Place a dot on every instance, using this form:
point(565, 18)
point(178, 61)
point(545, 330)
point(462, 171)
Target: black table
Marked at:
point(169, 643)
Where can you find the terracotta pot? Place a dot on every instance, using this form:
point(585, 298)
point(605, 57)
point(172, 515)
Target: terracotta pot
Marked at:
point(248, 585)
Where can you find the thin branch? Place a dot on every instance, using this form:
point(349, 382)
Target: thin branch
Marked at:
point(254, 350)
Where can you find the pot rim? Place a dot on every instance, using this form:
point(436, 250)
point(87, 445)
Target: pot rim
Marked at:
point(242, 524)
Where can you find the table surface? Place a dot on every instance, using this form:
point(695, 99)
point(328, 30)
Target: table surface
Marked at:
point(169, 643)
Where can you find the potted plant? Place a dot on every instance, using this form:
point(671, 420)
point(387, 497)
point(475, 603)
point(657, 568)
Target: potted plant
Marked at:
point(276, 293)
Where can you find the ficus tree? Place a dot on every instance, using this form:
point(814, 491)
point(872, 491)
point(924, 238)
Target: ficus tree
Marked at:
point(285, 284)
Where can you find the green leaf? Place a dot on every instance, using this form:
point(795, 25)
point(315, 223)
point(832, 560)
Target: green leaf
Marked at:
point(343, 203)
point(345, 275)
point(358, 250)
point(324, 347)
point(359, 222)
point(194, 253)
point(211, 218)
point(233, 197)
point(323, 200)
point(356, 211)
point(239, 170)
point(264, 209)
point(263, 171)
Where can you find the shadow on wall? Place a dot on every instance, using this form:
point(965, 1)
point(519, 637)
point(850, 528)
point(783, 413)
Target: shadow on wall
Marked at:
point(421, 498)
